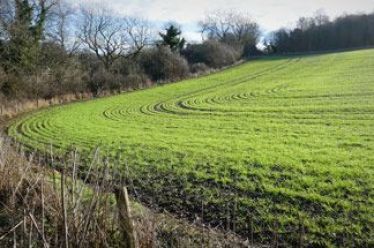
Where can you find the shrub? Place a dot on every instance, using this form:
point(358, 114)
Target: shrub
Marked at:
point(99, 80)
point(71, 79)
point(162, 64)
point(15, 87)
point(213, 53)
point(134, 81)
point(132, 74)
point(199, 68)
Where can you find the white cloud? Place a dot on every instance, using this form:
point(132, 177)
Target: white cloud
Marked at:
point(271, 14)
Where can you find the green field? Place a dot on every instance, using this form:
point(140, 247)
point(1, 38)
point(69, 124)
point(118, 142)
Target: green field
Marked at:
point(277, 145)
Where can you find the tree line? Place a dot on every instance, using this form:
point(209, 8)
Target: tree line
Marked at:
point(48, 49)
point(319, 33)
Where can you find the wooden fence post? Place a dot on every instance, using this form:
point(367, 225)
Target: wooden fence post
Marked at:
point(125, 220)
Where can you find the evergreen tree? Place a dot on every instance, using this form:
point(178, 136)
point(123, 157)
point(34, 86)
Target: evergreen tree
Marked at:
point(25, 32)
point(172, 38)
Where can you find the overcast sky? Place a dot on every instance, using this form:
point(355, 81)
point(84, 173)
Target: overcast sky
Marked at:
point(270, 14)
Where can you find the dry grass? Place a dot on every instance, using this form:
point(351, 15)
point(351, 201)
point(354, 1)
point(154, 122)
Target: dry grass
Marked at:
point(47, 202)
point(10, 109)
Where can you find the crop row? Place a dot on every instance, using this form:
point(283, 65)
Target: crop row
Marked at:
point(277, 139)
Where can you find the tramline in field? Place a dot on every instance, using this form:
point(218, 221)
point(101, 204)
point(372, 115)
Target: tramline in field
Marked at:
point(280, 140)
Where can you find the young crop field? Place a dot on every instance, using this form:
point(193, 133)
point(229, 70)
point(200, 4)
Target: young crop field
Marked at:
point(280, 148)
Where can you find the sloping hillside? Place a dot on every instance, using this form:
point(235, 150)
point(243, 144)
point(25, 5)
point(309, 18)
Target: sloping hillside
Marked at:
point(279, 146)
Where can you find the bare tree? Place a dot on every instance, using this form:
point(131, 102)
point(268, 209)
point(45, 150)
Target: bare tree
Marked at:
point(59, 28)
point(139, 32)
point(216, 25)
point(321, 18)
point(245, 30)
point(60, 48)
point(6, 17)
point(230, 27)
point(111, 37)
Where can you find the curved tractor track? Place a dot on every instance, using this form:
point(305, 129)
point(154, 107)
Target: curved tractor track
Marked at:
point(286, 139)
